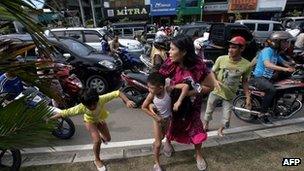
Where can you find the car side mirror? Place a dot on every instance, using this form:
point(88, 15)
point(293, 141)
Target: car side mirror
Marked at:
point(67, 55)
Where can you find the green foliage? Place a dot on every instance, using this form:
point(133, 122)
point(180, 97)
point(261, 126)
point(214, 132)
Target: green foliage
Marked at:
point(22, 126)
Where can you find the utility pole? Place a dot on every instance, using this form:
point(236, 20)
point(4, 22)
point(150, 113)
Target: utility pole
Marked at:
point(202, 8)
point(102, 9)
point(93, 12)
point(82, 13)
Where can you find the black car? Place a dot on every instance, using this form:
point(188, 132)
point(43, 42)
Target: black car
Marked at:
point(194, 29)
point(96, 70)
point(221, 33)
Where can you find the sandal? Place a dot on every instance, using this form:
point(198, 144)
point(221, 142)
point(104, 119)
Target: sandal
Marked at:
point(157, 167)
point(168, 150)
point(201, 165)
point(103, 168)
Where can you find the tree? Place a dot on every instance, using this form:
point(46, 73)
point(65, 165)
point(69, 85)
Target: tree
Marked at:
point(20, 125)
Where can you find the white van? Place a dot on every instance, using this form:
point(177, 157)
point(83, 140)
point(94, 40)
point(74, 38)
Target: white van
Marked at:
point(261, 29)
point(92, 37)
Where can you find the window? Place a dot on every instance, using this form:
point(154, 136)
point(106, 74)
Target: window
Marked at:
point(278, 27)
point(91, 36)
point(58, 33)
point(263, 27)
point(119, 31)
point(251, 26)
point(75, 34)
point(128, 31)
point(191, 3)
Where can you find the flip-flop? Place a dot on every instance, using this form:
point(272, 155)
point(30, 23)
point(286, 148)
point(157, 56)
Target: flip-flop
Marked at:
point(103, 168)
point(168, 150)
point(201, 165)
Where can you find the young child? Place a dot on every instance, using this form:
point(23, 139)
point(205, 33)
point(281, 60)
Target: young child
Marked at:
point(159, 94)
point(95, 114)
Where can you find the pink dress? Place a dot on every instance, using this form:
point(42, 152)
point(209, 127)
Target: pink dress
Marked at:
point(189, 129)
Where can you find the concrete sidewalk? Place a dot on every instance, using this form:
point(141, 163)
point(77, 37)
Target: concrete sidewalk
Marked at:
point(128, 149)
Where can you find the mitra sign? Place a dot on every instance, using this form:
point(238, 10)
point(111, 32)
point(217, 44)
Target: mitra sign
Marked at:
point(140, 11)
point(242, 5)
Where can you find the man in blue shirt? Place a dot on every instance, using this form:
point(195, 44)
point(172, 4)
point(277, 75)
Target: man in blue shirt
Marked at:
point(266, 65)
point(10, 84)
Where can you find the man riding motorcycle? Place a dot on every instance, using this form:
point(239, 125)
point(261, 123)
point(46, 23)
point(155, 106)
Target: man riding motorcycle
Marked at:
point(266, 64)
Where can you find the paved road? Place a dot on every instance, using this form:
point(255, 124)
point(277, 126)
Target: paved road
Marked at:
point(132, 124)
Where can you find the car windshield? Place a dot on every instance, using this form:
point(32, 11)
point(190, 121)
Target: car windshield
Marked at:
point(77, 47)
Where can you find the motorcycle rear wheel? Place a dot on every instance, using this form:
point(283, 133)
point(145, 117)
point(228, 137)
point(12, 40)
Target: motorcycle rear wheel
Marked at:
point(240, 101)
point(10, 159)
point(65, 128)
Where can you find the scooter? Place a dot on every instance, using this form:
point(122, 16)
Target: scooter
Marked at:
point(130, 61)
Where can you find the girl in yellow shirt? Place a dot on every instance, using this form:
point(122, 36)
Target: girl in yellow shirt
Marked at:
point(94, 115)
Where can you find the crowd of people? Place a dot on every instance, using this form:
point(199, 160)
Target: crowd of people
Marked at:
point(175, 105)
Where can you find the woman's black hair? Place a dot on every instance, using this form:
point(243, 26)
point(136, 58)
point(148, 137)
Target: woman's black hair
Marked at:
point(89, 97)
point(185, 44)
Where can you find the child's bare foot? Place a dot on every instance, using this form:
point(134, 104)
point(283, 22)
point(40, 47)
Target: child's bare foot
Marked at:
point(220, 132)
point(99, 165)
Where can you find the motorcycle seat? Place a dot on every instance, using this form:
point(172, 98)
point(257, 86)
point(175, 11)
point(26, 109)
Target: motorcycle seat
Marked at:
point(138, 77)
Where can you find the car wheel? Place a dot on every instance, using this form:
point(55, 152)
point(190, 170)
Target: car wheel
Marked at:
point(98, 83)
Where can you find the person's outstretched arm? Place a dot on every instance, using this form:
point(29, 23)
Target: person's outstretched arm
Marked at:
point(129, 103)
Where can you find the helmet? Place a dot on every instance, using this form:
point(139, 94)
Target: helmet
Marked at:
point(276, 38)
point(161, 41)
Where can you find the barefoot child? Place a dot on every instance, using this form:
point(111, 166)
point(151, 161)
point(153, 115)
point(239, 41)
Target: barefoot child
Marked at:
point(95, 114)
point(160, 96)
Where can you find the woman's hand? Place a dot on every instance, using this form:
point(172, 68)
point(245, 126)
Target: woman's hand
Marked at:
point(176, 105)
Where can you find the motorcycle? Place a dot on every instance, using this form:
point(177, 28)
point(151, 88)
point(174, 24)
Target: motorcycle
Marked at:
point(130, 61)
point(135, 86)
point(285, 104)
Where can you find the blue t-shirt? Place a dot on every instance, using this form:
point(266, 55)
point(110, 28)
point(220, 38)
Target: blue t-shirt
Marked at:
point(13, 86)
point(266, 54)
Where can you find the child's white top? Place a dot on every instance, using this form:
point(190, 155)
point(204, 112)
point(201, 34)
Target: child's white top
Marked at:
point(163, 105)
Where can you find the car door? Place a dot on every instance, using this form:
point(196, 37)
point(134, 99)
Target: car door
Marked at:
point(262, 32)
point(93, 39)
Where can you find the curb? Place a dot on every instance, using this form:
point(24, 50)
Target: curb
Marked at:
point(128, 149)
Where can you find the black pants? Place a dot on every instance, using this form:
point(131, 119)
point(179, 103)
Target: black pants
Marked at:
point(266, 86)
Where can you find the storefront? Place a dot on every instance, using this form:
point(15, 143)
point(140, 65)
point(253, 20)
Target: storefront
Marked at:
point(256, 9)
point(191, 10)
point(293, 7)
point(215, 12)
point(163, 12)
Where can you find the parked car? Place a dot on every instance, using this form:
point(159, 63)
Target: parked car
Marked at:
point(292, 22)
point(94, 69)
point(93, 36)
point(261, 29)
point(221, 33)
point(194, 28)
point(130, 29)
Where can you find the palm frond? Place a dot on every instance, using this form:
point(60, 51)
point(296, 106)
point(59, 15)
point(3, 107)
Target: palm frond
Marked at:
point(19, 122)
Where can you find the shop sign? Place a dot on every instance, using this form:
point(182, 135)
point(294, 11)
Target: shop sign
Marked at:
point(242, 5)
point(216, 7)
point(163, 7)
point(127, 12)
point(271, 5)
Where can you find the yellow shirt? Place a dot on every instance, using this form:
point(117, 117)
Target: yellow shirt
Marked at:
point(99, 114)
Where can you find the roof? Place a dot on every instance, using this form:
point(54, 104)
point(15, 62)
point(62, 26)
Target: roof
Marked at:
point(256, 21)
point(76, 28)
